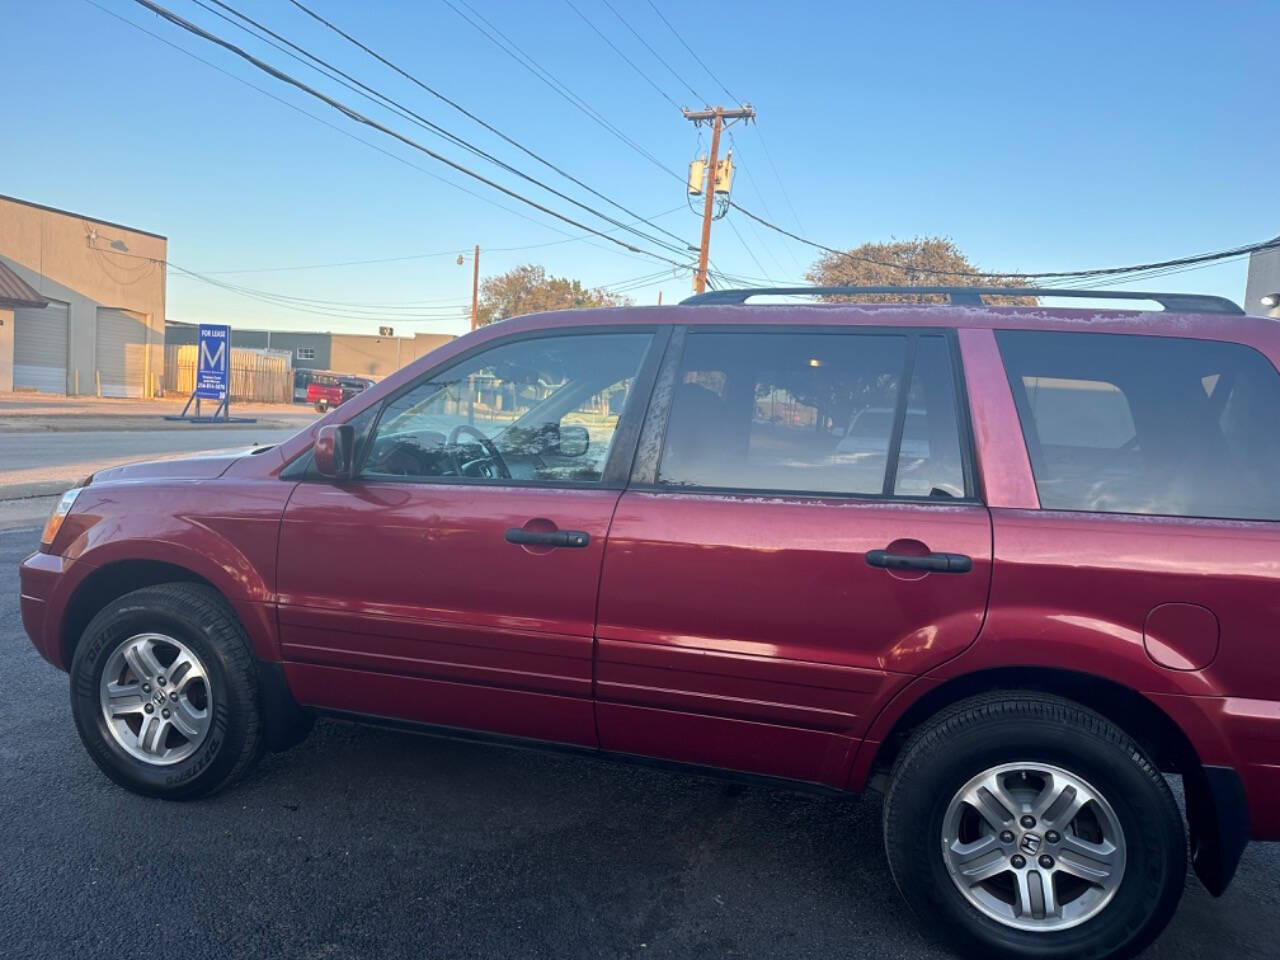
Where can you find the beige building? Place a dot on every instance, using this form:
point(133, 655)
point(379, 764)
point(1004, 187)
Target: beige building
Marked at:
point(101, 330)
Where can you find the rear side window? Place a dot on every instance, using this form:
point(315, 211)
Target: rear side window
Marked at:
point(817, 413)
point(1131, 424)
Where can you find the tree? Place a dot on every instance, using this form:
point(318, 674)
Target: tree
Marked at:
point(910, 263)
point(528, 289)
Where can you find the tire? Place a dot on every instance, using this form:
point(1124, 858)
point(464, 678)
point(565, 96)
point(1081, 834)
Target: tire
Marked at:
point(1033, 745)
point(214, 733)
point(322, 406)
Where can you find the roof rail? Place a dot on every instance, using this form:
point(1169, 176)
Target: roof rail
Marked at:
point(972, 296)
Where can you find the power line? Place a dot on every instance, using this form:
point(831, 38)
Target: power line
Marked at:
point(657, 56)
point(421, 256)
point(332, 126)
point(631, 63)
point(569, 238)
point(471, 116)
point(677, 35)
point(777, 176)
point(511, 49)
point(381, 99)
point(358, 117)
point(750, 253)
point(741, 164)
point(1098, 272)
point(314, 309)
point(456, 252)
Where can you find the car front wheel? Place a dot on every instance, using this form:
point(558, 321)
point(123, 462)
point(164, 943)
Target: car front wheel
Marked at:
point(164, 692)
point(1028, 826)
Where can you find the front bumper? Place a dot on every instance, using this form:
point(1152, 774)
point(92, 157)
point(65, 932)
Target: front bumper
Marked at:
point(38, 579)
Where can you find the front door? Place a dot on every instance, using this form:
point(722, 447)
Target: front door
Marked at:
point(454, 580)
point(806, 542)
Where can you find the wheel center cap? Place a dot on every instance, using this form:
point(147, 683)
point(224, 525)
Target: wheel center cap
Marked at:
point(1030, 843)
point(158, 697)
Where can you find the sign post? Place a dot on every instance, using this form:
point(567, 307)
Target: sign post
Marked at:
point(213, 376)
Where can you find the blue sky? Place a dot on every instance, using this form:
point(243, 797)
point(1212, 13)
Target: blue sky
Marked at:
point(1039, 136)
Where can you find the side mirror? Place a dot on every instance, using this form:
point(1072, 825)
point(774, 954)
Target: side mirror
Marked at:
point(333, 451)
point(574, 440)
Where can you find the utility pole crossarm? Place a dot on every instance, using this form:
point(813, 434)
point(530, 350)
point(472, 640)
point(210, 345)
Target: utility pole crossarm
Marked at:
point(744, 112)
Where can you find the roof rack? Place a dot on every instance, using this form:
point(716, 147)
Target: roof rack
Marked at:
point(972, 296)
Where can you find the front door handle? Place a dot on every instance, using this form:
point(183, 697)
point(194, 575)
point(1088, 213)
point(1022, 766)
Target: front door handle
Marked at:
point(931, 562)
point(549, 538)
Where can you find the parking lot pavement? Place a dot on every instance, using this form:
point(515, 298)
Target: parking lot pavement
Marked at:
point(366, 843)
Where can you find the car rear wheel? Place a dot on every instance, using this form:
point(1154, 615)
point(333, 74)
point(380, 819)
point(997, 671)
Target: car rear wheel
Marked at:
point(322, 406)
point(164, 692)
point(1033, 827)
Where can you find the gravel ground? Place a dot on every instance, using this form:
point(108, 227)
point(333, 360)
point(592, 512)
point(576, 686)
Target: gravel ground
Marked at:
point(366, 843)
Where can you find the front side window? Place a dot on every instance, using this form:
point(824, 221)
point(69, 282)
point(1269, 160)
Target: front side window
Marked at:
point(1158, 425)
point(814, 413)
point(541, 410)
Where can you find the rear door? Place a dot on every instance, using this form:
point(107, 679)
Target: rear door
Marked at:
point(801, 537)
point(454, 580)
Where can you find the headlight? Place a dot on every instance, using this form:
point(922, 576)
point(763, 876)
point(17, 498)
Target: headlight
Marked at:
point(54, 523)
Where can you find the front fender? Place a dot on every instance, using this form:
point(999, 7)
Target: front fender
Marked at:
point(223, 532)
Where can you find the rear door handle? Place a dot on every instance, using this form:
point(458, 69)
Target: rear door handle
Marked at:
point(549, 538)
point(932, 563)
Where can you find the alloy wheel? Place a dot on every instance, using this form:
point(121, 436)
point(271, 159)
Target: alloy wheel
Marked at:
point(1033, 846)
point(156, 699)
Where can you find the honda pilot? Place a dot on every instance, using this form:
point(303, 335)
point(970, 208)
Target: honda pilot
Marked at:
point(1008, 566)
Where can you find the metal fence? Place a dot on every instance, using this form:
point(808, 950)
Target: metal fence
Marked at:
point(262, 375)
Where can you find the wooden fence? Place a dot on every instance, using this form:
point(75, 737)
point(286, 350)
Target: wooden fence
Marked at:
point(262, 375)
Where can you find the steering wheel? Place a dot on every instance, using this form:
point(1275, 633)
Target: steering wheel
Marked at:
point(489, 448)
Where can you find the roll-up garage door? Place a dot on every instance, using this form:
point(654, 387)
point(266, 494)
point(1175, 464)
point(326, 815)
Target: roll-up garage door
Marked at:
point(121, 353)
point(40, 348)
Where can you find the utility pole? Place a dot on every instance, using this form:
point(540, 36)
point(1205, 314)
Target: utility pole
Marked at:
point(716, 118)
point(475, 285)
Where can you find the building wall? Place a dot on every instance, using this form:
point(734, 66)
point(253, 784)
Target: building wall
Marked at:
point(376, 357)
point(1264, 278)
point(53, 251)
point(6, 350)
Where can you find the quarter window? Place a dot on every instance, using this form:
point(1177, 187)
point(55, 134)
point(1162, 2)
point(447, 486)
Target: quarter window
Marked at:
point(814, 413)
point(541, 410)
point(1131, 424)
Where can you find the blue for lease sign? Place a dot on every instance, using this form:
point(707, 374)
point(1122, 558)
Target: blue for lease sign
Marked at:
point(213, 364)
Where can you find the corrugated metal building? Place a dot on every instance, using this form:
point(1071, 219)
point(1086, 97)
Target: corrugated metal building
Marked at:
point(102, 285)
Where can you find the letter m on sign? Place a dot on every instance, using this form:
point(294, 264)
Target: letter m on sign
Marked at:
point(213, 361)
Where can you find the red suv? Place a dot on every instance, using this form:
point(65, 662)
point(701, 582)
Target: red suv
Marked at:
point(1007, 565)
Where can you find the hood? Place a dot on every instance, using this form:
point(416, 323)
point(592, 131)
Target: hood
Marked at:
point(201, 466)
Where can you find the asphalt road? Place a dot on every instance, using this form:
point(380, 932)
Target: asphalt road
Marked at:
point(366, 843)
point(31, 457)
